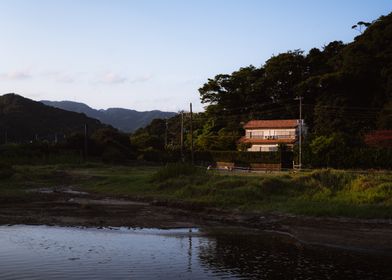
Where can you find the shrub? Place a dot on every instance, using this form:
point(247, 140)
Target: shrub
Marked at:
point(6, 171)
point(229, 183)
point(175, 170)
point(246, 157)
point(332, 179)
point(276, 186)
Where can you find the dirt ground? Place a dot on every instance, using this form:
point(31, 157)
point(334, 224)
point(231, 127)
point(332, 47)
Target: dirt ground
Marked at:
point(67, 207)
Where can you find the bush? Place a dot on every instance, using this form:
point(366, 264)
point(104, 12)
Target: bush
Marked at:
point(276, 186)
point(6, 171)
point(175, 170)
point(246, 157)
point(160, 156)
point(332, 179)
point(229, 183)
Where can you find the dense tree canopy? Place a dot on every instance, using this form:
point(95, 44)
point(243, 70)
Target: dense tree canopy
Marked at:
point(346, 90)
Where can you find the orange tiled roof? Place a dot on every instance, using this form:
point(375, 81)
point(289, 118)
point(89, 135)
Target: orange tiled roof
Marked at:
point(271, 124)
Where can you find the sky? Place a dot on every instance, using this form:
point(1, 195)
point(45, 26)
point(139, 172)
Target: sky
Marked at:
point(155, 54)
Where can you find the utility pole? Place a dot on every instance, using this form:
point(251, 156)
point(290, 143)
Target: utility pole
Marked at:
point(300, 131)
point(182, 135)
point(85, 140)
point(5, 137)
point(191, 133)
point(166, 128)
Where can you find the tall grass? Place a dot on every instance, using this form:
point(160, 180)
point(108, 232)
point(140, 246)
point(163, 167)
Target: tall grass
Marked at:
point(6, 171)
point(174, 170)
point(321, 192)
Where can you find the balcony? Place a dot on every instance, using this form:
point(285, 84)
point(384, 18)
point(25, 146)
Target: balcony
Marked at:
point(272, 137)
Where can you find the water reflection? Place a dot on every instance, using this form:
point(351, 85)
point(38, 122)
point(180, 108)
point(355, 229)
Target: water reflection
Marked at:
point(41, 252)
point(267, 256)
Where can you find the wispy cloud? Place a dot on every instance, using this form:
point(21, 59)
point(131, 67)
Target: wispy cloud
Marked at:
point(15, 75)
point(59, 76)
point(141, 79)
point(113, 78)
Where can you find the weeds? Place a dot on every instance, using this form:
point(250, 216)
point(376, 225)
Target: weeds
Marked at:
point(321, 192)
point(175, 170)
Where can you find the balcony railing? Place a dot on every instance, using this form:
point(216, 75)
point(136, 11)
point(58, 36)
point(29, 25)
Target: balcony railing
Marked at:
point(272, 137)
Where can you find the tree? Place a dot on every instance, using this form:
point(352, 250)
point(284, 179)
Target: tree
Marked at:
point(329, 151)
point(361, 26)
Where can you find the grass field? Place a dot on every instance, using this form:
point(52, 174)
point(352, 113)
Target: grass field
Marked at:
point(317, 193)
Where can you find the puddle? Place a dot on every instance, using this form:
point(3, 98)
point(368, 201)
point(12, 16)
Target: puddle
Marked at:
point(59, 190)
point(106, 201)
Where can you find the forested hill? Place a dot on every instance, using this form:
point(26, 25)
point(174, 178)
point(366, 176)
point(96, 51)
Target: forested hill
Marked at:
point(345, 87)
point(346, 91)
point(125, 120)
point(23, 120)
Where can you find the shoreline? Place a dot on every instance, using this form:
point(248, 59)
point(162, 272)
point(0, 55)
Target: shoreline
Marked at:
point(72, 208)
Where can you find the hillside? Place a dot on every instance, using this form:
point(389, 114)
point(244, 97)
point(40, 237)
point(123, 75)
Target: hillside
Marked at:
point(123, 119)
point(346, 91)
point(22, 120)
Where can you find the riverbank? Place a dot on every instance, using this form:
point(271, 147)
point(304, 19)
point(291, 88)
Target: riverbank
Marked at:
point(151, 197)
point(67, 207)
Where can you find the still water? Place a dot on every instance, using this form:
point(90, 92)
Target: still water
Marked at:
point(43, 252)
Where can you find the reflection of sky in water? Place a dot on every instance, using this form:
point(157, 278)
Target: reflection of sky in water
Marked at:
point(41, 252)
point(31, 251)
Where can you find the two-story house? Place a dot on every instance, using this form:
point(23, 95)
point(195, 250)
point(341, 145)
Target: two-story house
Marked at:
point(266, 135)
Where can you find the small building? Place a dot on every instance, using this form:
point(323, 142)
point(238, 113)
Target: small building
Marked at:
point(267, 135)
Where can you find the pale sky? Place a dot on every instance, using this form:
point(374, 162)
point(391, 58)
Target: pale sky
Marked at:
point(155, 54)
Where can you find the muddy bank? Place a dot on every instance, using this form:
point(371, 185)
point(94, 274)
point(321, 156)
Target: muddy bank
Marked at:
point(72, 208)
point(75, 209)
point(374, 235)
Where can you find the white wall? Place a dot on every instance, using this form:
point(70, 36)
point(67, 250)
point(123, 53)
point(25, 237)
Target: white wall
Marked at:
point(266, 133)
point(263, 148)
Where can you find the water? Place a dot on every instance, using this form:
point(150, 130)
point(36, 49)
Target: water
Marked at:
point(43, 252)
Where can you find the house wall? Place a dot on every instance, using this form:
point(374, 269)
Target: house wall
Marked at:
point(263, 148)
point(287, 133)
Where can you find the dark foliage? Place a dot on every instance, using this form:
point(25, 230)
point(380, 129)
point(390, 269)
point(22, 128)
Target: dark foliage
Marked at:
point(23, 120)
point(346, 90)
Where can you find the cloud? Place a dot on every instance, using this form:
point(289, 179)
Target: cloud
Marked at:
point(15, 75)
point(141, 79)
point(112, 78)
point(61, 77)
point(65, 79)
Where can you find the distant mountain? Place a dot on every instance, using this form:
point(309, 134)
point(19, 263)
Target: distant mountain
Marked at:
point(125, 120)
point(22, 119)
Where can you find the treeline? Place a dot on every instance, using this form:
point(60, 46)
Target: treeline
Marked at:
point(346, 91)
point(23, 120)
point(102, 145)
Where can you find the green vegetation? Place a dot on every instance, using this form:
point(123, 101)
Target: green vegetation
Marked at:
point(33, 133)
point(324, 192)
point(6, 171)
point(346, 91)
point(321, 192)
point(23, 120)
point(16, 181)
